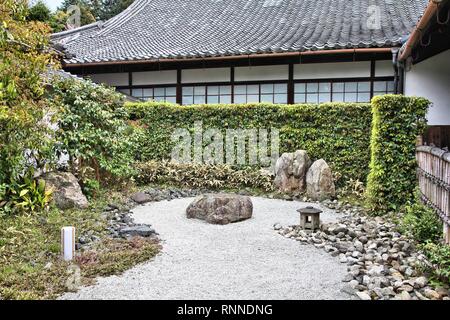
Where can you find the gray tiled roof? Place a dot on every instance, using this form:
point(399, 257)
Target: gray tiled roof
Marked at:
point(161, 29)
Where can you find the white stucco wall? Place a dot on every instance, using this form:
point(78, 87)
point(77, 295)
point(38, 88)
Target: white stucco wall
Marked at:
point(384, 68)
point(154, 77)
point(206, 75)
point(280, 72)
point(332, 70)
point(431, 79)
point(256, 73)
point(111, 79)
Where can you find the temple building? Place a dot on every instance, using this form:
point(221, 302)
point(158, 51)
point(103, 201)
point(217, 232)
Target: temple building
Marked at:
point(276, 51)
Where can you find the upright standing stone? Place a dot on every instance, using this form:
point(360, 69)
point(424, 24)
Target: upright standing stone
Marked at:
point(290, 171)
point(319, 181)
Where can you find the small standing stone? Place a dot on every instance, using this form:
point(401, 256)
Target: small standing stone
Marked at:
point(290, 171)
point(319, 181)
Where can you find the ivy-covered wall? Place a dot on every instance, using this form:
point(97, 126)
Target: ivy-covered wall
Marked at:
point(336, 132)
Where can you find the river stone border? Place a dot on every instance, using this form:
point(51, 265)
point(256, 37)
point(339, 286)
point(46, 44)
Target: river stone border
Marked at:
point(382, 263)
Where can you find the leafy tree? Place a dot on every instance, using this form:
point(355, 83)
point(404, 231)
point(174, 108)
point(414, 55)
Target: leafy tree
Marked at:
point(39, 12)
point(86, 7)
point(67, 3)
point(86, 16)
point(24, 133)
point(58, 21)
point(112, 8)
point(98, 9)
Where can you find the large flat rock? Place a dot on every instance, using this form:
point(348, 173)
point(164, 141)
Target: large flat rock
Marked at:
point(220, 208)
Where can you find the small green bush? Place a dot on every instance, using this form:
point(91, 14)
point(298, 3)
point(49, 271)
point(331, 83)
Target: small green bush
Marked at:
point(90, 187)
point(202, 176)
point(397, 122)
point(422, 223)
point(337, 132)
point(439, 256)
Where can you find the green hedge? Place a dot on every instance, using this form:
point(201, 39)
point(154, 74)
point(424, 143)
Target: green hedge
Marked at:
point(336, 132)
point(397, 122)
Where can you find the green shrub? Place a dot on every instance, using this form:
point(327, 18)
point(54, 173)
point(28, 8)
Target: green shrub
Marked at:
point(422, 223)
point(90, 187)
point(202, 176)
point(397, 122)
point(28, 195)
point(338, 133)
point(439, 257)
point(93, 130)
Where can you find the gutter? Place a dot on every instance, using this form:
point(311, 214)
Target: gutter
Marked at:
point(398, 70)
point(235, 57)
point(429, 13)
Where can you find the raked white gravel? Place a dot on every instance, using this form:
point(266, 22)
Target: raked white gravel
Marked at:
point(245, 260)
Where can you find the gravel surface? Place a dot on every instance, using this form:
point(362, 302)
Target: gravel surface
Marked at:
point(245, 260)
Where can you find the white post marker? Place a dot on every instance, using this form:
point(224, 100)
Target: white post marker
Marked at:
point(68, 243)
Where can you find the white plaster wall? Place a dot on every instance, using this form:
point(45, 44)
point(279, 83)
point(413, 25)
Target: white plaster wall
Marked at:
point(280, 72)
point(332, 70)
point(111, 79)
point(431, 79)
point(206, 75)
point(384, 68)
point(154, 77)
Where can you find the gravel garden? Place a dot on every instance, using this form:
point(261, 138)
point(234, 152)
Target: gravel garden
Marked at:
point(352, 256)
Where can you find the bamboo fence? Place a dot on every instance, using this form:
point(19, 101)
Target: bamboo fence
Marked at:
point(434, 182)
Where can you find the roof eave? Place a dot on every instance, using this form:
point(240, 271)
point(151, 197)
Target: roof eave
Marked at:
point(235, 57)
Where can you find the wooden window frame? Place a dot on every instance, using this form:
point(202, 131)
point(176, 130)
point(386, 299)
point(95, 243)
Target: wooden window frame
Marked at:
point(131, 88)
point(290, 85)
point(371, 81)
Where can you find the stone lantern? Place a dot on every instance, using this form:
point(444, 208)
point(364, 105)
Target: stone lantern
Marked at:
point(310, 218)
